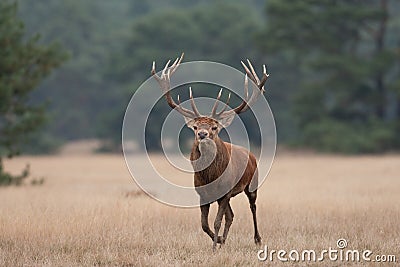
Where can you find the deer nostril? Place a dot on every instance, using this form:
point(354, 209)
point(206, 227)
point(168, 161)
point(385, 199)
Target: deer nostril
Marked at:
point(202, 135)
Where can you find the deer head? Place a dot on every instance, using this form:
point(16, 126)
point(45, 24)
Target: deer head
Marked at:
point(208, 126)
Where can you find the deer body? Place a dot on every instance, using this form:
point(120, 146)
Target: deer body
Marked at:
point(221, 159)
point(218, 165)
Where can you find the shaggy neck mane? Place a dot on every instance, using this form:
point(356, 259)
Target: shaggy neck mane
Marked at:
point(217, 166)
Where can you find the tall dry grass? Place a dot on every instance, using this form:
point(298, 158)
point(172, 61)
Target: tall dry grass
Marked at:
point(88, 213)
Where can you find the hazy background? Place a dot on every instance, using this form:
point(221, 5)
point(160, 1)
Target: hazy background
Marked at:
point(334, 65)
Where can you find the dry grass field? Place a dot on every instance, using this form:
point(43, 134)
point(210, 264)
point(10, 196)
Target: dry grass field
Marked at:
point(88, 212)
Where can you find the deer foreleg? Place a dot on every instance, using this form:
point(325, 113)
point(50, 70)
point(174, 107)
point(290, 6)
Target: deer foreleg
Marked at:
point(228, 221)
point(223, 204)
point(204, 222)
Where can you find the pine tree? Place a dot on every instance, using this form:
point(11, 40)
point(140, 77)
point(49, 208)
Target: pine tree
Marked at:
point(24, 63)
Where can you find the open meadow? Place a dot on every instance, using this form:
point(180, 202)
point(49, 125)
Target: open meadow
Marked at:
point(90, 212)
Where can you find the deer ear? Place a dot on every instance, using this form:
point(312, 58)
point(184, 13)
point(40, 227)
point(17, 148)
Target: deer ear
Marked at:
point(189, 122)
point(226, 121)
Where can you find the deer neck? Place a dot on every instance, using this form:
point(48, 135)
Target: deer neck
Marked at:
point(209, 158)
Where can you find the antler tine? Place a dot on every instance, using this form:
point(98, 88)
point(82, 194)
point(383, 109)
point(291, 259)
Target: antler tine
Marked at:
point(226, 105)
point(193, 104)
point(153, 72)
point(248, 72)
point(176, 63)
point(214, 109)
point(165, 68)
point(153, 68)
point(244, 66)
point(253, 72)
point(246, 87)
point(264, 78)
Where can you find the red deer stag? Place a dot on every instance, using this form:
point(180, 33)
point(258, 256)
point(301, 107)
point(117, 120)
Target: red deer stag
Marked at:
point(226, 158)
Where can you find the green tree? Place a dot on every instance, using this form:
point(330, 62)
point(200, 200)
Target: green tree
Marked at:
point(345, 69)
point(24, 64)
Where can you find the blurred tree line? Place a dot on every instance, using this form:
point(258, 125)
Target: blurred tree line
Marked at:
point(23, 65)
point(334, 65)
point(346, 58)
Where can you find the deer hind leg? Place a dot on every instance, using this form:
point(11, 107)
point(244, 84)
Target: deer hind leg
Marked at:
point(252, 196)
point(228, 221)
point(204, 222)
point(222, 206)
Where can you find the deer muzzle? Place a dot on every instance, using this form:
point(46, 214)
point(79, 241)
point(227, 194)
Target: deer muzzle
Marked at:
point(202, 134)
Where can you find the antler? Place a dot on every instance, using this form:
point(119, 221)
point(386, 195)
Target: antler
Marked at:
point(165, 85)
point(250, 73)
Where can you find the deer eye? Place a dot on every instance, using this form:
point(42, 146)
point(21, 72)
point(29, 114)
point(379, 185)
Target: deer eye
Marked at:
point(195, 127)
point(214, 128)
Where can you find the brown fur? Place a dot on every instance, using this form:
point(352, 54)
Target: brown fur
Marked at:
point(225, 152)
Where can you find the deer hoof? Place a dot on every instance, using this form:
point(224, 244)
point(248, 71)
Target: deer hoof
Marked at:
point(220, 240)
